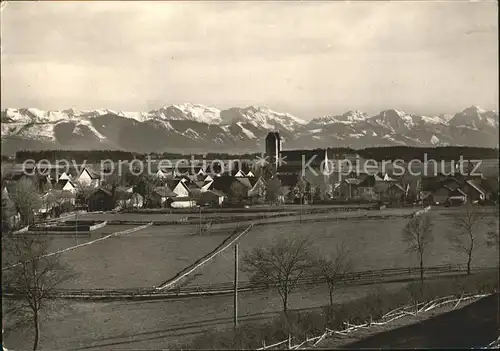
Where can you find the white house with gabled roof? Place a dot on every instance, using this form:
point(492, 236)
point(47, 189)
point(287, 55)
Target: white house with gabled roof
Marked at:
point(88, 178)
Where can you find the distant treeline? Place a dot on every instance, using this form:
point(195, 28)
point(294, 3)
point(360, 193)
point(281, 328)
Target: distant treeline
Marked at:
point(377, 153)
point(95, 156)
point(444, 153)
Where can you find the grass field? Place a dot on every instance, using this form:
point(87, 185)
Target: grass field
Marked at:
point(139, 259)
point(160, 324)
point(372, 243)
point(150, 256)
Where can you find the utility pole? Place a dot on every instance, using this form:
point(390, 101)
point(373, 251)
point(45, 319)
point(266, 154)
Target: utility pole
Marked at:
point(235, 286)
point(200, 219)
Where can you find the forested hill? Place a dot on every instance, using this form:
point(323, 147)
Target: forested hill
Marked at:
point(377, 153)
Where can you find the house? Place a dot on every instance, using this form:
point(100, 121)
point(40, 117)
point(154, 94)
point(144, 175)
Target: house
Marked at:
point(456, 197)
point(228, 184)
point(180, 187)
point(89, 178)
point(474, 191)
point(451, 183)
point(240, 174)
point(160, 174)
point(212, 197)
point(100, 200)
point(127, 199)
point(65, 185)
point(441, 195)
point(184, 202)
point(257, 189)
point(162, 196)
point(223, 183)
point(347, 189)
point(396, 192)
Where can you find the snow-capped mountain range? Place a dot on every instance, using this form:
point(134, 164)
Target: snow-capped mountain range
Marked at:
point(201, 128)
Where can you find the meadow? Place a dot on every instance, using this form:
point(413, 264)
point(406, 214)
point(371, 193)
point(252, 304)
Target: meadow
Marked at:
point(150, 256)
point(372, 244)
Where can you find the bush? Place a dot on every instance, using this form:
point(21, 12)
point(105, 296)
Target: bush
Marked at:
point(67, 207)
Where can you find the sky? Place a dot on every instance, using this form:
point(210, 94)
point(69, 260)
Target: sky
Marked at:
point(306, 58)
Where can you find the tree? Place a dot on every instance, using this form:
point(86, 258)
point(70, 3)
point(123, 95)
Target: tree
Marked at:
point(83, 193)
point(493, 234)
point(465, 225)
point(32, 276)
point(417, 234)
point(145, 187)
point(27, 200)
point(299, 190)
point(273, 190)
point(333, 268)
point(8, 212)
point(238, 192)
point(280, 266)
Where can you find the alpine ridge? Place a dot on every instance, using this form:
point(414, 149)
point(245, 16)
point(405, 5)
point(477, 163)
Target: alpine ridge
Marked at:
point(197, 127)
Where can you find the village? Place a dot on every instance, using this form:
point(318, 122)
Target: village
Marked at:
point(257, 184)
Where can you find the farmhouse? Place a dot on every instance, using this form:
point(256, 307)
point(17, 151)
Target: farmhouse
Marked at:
point(66, 185)
point(88, 178)
point(100, 200)
point(474, 191)
point(212, 197)
point(162, 196)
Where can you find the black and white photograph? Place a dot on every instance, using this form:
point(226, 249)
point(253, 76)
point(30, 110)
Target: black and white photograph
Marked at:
point(263, 175)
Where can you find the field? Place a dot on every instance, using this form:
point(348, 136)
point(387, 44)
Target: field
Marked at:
point(161, 324)
point(150, 256)
point(373, 244)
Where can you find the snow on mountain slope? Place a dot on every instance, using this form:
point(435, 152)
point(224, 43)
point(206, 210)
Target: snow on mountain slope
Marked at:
point(261, 117)
point(247, 132)
point(36, 131)
point(393, 119)
point(138, 116)
point(434, 140)
point(187, 126)
point(85, 123)
point(188, 111)
point(433, 120)
point(475, 117)
point(350, 117)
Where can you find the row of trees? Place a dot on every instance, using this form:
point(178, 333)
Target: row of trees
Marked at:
point(282, 265)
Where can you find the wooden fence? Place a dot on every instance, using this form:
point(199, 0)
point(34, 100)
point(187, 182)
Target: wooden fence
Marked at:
point(411, 310)
point(355, 278)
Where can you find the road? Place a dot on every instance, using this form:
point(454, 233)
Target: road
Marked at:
point(473, 326)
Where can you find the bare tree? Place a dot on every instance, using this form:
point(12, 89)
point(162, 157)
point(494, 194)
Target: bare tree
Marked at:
point(27, 200)
point(417, 234)
point(31, 276)
point(333, 269)
point(280, 266)
point(465, 226)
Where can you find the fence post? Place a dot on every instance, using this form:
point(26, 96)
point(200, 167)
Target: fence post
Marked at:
point(289, 341)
